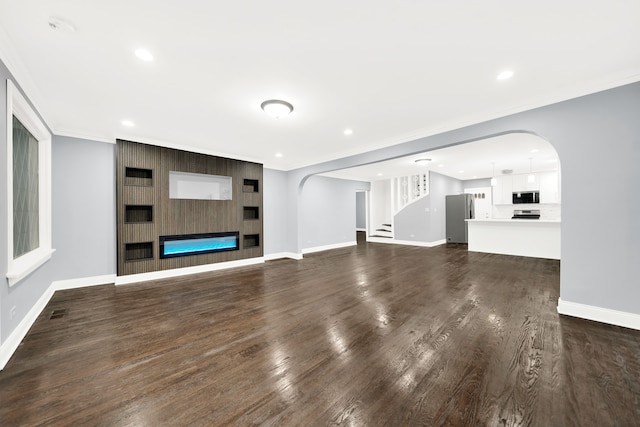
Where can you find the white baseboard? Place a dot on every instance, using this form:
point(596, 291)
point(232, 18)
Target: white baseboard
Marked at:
point(280, 255)
point(599, 314)
point(406, 242)
point(10, 345)
point(60, 285)
point(329, 247)
point(175, 272)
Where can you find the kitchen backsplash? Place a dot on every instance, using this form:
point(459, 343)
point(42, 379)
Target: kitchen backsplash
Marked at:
point(550, 211)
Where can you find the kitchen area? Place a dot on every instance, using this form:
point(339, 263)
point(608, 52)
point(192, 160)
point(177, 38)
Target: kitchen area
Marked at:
point(499, 195)
point(523, 220)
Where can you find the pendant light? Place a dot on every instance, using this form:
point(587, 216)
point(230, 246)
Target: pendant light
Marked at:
point(494, 181)
point(531, 178)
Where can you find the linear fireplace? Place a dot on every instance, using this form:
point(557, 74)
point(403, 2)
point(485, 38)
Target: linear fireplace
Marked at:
point(194, 244)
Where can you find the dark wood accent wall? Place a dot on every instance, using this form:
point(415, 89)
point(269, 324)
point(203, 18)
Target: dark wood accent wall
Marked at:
point(145, 211)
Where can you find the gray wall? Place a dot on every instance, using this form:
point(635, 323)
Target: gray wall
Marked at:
point(83, 205)
point(424, 220)
point(413, 222)
point(275, 201)
point(361, 210)
point(329, 211)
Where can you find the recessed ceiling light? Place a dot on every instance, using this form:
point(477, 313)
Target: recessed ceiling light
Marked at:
point(423, 162)
point(505, 75)
point(379, 173)
point(440, 165)
point(144, 55)
point(535, 150)
point(460, 171)
point(128, 123)
point(348, 131)
point(474, 176)
point(276, 108)
point(278, 155)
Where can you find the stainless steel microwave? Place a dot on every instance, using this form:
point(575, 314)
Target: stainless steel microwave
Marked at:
point(526, 197)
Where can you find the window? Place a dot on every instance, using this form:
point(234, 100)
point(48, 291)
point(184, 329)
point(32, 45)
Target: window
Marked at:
point(28, 188)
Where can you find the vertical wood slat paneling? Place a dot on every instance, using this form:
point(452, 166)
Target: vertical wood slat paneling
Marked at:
point(177, 216)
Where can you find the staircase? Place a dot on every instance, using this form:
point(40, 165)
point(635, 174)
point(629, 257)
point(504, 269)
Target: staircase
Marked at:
point(384, 231)
point(407, 189)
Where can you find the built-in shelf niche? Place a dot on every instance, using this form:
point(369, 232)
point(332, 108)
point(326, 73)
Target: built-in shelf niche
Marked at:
point(251, 241)
point(251, 212)
point(250, 186)
point(138, 251)
point(138, 213)
point(138, 176)
point(198, 186)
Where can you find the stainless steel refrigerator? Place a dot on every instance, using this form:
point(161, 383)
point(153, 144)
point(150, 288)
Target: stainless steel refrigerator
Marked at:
point(458, 208)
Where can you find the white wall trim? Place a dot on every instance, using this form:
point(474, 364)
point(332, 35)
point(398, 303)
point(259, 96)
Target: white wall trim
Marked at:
point(599, 314)
point(280, 255)
point(83, 282)
point(329, 247)
point(405, 242)
point(25, 264)
point(10, 345)
point(175, 272)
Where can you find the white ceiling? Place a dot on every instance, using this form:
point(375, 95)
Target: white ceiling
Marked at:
point(391, 71)
point(517, 152)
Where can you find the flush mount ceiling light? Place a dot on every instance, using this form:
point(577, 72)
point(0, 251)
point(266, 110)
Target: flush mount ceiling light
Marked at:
point(348, 132)
point(61, 25)
point(127, 123)
point(505, 75)
point(144, 55)
point(276, 108)
point(423, 162)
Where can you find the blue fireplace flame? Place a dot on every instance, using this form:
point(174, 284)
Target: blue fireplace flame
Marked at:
point(172, 246)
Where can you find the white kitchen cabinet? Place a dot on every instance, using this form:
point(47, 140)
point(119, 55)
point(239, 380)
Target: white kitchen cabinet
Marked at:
point(547, 183)
point(521, 183)
point(502, 190)
point(549, 187)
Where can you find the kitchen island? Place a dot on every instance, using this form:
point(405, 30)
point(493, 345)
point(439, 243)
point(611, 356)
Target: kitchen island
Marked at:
point(523, 237)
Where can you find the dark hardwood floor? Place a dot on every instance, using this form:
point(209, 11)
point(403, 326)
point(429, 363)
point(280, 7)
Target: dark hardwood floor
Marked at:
point(373, 335)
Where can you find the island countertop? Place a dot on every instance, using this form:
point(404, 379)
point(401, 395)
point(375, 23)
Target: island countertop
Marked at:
point(539, 238)
point(529, 221)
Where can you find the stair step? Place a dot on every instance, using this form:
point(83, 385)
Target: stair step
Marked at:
point(387, 225)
